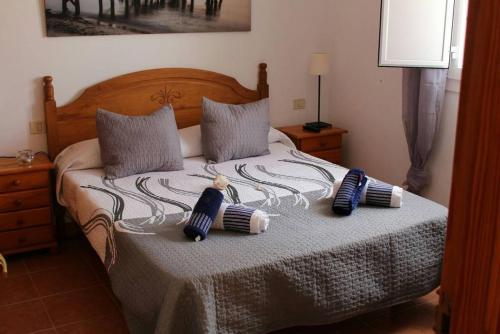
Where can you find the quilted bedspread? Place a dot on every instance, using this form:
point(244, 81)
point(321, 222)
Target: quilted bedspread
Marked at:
point(311, 266)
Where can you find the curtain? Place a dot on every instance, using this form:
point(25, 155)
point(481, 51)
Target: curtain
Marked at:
point(423, 100)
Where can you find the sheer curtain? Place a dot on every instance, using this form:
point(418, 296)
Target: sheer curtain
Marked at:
point(423, 100)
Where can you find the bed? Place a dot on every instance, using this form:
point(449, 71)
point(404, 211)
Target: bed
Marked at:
point(311, 267)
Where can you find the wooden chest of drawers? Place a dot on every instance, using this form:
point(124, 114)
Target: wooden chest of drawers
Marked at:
point(26, 221)
point(326, 145)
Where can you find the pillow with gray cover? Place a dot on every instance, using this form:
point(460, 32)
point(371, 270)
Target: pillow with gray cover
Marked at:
point(232, 132)
point(138, 144)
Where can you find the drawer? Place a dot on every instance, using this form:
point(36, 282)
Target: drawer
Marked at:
point(24, 181)
point(26, 237)
point(22, 219)
point(321, 143)
point(334, 156)
point(23, 200)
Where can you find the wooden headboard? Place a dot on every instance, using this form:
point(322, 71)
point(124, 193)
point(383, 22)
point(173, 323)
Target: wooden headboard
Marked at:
point(142, 93)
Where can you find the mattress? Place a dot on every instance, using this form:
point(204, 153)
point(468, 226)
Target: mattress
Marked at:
point(311, 267)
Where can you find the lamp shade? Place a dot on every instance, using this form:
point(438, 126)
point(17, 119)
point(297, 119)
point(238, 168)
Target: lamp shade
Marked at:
point(320, 64)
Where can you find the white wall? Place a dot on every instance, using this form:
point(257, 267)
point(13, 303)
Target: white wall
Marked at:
point(284, 34)
point(358, 95)
point(441, 162)
point(367, 101)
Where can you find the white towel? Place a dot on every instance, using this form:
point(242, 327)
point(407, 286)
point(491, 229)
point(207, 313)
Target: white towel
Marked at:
point(241, 218)
point(377, 193)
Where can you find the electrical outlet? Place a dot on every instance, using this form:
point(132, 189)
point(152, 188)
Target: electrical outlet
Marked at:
point(37, 127)
point(299, 104)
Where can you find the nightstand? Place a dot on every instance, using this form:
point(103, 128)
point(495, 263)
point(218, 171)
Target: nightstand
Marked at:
point(326, 145)
point(26, 206)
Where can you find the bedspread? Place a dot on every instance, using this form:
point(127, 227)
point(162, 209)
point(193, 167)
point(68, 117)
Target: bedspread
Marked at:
point(311, 267)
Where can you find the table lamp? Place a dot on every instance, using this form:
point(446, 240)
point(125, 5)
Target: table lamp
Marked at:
point(320, 65)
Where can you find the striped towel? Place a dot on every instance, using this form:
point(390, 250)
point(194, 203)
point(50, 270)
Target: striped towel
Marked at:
point(349, 193)
point(377, 194)
point(241, 218)
point(204, 214)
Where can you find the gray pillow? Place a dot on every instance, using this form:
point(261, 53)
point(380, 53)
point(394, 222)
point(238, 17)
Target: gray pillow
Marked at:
point(138, 144)
point(231, 132)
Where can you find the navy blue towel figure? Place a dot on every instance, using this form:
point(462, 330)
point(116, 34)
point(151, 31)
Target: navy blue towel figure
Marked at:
point(349, 193)
point(204, 214)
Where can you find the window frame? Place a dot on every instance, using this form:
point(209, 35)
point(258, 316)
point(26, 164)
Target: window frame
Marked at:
point(445, 51)
point(458, 39)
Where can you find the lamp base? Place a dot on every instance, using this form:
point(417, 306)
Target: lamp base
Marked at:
point(316, 126)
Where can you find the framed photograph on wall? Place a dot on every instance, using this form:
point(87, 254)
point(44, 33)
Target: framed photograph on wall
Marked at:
point(120, 17)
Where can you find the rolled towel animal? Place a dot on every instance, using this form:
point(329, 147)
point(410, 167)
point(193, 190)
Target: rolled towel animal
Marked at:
point(349, 193)
point(241, 218)
point(204, 214)
point(377, 194)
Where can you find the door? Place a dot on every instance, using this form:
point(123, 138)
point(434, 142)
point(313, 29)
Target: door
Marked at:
point(470, 286)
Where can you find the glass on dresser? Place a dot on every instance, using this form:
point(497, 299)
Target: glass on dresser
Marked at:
point(25, 157)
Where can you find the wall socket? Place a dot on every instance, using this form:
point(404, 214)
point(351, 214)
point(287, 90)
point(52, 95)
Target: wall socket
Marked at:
point(299, 104)
point(37, 127)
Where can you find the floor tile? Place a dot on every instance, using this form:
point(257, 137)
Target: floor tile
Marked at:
point(16, 267)
point(79, 305)
point(16, 289)
point(355, 326)
point(389, 312)
point(327, 329)
point(67, 278)
point(108, 325)
point(43, 260)
point(418, 320)
point(350, 326)
point(91, 258)
point(430, 298)
point(80, 300)
point(23, 318)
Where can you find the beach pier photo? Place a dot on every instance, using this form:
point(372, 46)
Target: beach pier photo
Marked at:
point(118, 17)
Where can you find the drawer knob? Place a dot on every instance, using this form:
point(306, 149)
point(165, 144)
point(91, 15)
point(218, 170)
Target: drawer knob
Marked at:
point(323, 144)
point(21, 240)
point(18, 202)
point(20, 222)
point(16, 183)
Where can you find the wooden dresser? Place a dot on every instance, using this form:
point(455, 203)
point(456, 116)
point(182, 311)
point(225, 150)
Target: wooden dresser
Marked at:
point(326, 145)
point(26, 206)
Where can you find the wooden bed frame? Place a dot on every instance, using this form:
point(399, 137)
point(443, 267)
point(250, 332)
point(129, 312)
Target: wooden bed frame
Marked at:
point(142, 93)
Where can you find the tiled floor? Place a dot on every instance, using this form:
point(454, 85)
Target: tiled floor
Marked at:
point(69, 293)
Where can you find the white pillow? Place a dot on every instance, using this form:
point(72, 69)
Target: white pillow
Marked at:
point(276, 136)
point(82, 155)
point(191, 141)
point(86, 154)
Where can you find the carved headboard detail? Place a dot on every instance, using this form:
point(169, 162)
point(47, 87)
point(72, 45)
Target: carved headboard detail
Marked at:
point(142, 93)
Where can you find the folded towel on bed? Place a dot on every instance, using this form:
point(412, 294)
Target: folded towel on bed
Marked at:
point(241, 218)
point(349, 193)
point(204, 214)
point(377, 194)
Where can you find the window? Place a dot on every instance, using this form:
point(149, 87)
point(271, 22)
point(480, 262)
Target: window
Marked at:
point(458, 39)
point(423, 33)
point(416, 33)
